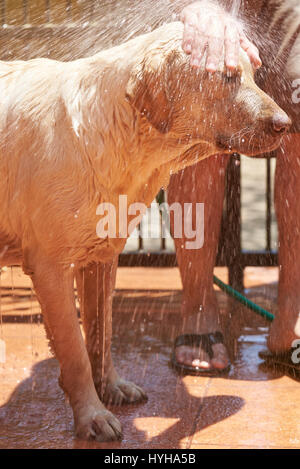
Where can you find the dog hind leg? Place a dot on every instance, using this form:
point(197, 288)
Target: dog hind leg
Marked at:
point(95, 285)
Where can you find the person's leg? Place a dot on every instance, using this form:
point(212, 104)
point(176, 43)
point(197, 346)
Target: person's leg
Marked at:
point(202, 183)
point(286, 326)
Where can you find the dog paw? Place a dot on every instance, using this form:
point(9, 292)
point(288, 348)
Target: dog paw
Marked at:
point(123, 392)
point(101, 426)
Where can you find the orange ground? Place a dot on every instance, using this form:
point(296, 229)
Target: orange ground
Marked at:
point(254, 407)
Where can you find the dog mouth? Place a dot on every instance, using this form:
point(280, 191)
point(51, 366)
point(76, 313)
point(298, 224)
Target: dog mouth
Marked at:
point(225, 144)
point(249, 146)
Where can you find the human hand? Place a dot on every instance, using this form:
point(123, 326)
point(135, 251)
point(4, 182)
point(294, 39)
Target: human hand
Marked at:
point(208, 28)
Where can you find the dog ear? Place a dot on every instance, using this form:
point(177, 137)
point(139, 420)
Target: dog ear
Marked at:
point(147, 92)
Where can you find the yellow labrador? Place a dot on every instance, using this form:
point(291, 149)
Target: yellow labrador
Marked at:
point(74, 135)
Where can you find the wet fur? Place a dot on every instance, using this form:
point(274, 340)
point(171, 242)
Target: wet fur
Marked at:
point(73, 135)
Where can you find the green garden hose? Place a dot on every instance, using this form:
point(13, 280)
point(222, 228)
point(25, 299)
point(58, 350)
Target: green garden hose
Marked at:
point(242, 299)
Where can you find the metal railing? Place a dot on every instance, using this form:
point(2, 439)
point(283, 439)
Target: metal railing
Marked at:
point(34, 12)
point(230, 252)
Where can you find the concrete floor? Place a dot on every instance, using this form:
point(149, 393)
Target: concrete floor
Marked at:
point(253, 407)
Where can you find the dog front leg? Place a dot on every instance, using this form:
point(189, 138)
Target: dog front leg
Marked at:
point(95, 285)
point(55, 290)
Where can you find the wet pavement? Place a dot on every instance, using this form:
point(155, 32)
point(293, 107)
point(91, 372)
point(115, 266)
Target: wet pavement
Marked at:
point(253, 407)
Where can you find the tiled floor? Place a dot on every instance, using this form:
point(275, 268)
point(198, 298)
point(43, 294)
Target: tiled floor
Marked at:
point(254, 407)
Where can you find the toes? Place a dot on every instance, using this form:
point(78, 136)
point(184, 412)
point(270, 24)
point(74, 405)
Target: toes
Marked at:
point(219, 364)
point(132, 392)
point(102, 427)
point(197, 358)
point(123, 392)
point(115, 397)
point(200, 363)
point(190, 356)
point(108, 429)
point(220, 359)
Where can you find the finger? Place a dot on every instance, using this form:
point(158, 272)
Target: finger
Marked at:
point(190, 21)
point(198, 48)
point(251, 50)
point(232, 46)
point(215, 45)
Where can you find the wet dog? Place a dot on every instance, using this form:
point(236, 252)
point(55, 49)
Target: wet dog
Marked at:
point(78, 134)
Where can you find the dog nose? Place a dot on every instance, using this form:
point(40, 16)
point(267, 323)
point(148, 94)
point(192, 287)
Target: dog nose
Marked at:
point(281, 122)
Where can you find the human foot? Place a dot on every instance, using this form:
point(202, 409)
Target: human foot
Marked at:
point(200, 353)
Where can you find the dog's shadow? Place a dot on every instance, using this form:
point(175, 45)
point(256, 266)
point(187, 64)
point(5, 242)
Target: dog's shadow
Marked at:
point(37, 415)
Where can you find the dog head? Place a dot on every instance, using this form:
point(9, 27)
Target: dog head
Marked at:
point(228, 112)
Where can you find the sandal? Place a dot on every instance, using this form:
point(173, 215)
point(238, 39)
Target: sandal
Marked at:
point(205, 342)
